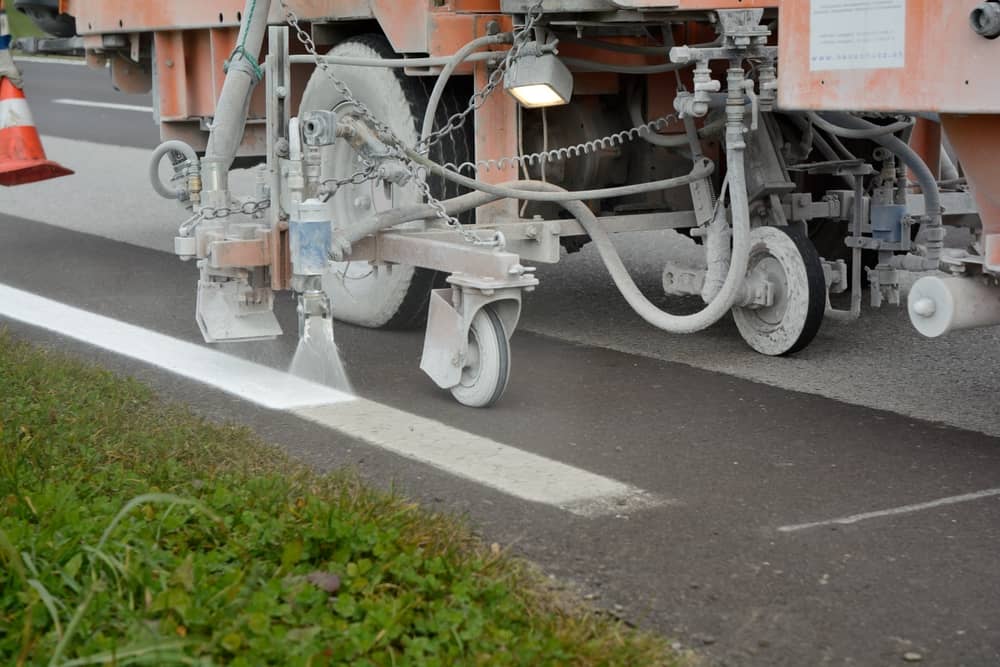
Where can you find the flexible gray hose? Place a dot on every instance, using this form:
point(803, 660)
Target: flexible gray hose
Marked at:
point(820, 143)
point(925, 177)
point(234, 101)
point(680, 324)
point(442, 81)
point(703, 169)
point(573, 203)
point(161, 151)
point(872, 131)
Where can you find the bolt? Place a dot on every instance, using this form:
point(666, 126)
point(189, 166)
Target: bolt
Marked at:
point(363, 202)
point(985, 19)
point(925, 307)
point(281, 92)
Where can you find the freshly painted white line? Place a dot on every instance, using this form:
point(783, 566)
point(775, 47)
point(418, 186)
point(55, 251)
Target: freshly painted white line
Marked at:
point(513, 471)
point(103, 105)
point(259, 384)
point(508, 469)
point(905, 509)
point(80, 62)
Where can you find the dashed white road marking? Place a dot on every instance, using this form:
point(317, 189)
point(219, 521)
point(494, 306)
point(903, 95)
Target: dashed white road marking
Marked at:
point(513, 471)
point(80, 62)
point(507, 469)
point(894, 511)
point(103, 105)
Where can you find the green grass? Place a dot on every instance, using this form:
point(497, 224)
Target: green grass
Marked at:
point(21, 25)
point(132, 532)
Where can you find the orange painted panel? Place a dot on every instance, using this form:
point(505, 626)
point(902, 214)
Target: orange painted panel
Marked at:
point(946, 66)
point(976, 139)
point(697, 4)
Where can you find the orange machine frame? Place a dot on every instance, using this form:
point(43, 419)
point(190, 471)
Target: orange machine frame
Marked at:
point(948, 68)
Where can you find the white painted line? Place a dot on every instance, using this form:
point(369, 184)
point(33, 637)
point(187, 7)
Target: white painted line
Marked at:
point(80, 62)
point(259, 384)
point(508, 469)
point(905, 509)
point(513, 471)
point(103, 105)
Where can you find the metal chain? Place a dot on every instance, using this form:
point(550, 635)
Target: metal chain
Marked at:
point(385, 133)
point(250, 208)
point(523, 35)
point(330, 186)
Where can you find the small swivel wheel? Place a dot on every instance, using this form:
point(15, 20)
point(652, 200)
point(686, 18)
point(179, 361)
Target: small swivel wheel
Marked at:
point(487, 364)
point(790, 263)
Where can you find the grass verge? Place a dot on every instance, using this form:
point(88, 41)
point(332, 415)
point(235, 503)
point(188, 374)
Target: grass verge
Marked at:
point(21, 25)
point(132, 532)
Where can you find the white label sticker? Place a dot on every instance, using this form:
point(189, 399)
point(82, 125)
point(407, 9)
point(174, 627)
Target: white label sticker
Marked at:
point(857, 34)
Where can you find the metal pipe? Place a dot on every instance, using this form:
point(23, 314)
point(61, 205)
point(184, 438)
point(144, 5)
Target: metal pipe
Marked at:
point(856, 229)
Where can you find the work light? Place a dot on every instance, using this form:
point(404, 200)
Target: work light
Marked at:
point(539, 79)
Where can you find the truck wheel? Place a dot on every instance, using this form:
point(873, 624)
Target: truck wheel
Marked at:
point(790, 263)
point(389, 297)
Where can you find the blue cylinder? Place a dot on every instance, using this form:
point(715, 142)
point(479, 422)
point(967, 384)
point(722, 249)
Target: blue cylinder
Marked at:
point(887, 222)
point(309, 233)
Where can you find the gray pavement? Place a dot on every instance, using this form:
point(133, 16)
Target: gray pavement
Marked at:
point(45, 83)
point(868, 419)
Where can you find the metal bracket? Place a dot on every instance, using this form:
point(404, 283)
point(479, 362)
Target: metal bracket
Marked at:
point(227, 312)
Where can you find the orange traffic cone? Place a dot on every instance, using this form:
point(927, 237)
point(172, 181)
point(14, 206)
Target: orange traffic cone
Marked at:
point(22, 158)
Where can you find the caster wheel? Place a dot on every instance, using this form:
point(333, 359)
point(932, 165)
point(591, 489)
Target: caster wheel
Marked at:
point(791, 264)
point(487, 365)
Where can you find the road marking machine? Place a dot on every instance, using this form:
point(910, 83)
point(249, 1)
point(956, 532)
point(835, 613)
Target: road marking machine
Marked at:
point(416, 157)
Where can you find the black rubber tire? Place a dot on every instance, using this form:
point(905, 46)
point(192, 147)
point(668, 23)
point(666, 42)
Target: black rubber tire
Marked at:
point(817, 291)
point(815, 284)
point(411, 311)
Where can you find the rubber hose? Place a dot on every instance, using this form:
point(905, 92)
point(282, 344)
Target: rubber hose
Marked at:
point(926, 179)
point(712, 313)
point(159, 153)
point(872, 131)
point(233, 105)
point(442, 81)
point(703, 169)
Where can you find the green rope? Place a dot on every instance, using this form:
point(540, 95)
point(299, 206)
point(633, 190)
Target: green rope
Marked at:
point(241, 48)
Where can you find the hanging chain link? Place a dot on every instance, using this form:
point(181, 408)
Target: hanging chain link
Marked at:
point(330, 186)
point(250, 208)
point(523, 35)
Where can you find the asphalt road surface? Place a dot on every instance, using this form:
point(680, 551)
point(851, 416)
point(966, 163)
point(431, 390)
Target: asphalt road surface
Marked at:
point(836, 508)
